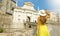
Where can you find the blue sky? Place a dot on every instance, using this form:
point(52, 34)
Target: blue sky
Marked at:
point(53, 5)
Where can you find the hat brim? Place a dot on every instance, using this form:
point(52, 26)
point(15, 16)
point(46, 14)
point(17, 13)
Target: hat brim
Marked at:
point(42, 14)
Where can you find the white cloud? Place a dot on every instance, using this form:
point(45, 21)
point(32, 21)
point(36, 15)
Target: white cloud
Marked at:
point(54, 3)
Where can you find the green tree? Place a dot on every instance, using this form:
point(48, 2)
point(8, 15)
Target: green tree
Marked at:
point(1, 30)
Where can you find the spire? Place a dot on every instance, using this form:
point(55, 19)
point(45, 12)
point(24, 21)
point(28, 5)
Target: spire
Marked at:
point(16, 2)
point(38, 8)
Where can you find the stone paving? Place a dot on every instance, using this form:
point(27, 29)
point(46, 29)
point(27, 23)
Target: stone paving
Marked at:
point(55, 31)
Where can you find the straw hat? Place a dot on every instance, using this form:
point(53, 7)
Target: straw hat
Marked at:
point(42, 13)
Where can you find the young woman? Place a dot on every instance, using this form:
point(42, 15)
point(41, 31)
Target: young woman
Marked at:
point(42, 29)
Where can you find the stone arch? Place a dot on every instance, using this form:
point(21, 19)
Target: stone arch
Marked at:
point(28, 17)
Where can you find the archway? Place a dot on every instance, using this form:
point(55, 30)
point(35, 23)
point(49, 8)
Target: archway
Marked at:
point(28, 17)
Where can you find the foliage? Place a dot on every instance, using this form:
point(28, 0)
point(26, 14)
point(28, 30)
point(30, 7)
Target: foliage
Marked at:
point(1, 30)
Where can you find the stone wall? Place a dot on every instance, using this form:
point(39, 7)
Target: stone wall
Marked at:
point(3, 34)
point(5, 22)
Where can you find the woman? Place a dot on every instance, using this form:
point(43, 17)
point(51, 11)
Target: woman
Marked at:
point(42, 29)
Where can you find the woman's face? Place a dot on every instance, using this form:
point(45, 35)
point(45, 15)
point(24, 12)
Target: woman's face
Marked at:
point(43, 19)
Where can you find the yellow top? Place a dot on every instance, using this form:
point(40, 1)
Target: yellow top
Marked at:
point(43, 30)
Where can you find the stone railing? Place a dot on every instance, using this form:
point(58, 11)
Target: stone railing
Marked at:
point(27, 32)
point(3, 34)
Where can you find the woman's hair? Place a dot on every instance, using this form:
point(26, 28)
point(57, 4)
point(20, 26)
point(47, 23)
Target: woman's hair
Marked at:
point(42, 19)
